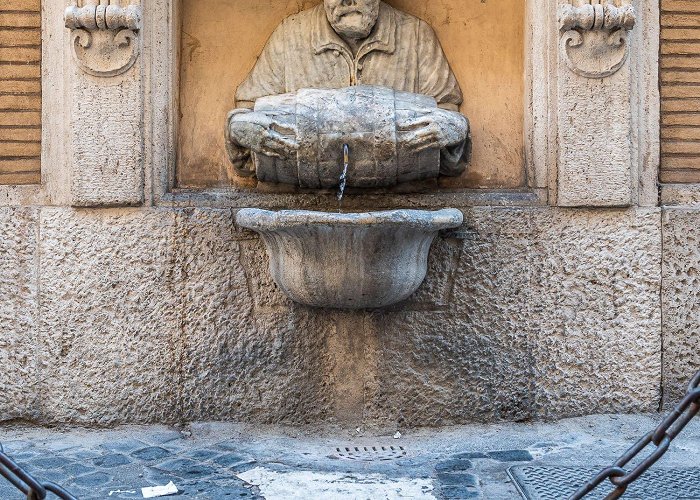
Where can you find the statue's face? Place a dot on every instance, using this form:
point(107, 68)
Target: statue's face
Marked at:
point(352, 18)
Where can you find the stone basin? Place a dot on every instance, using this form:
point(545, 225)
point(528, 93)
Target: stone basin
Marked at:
point(349, 260)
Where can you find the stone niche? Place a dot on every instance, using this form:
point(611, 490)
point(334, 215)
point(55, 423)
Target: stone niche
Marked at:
point(483, 40)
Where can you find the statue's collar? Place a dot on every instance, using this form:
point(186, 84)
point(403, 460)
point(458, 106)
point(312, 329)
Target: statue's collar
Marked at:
point(382, 38)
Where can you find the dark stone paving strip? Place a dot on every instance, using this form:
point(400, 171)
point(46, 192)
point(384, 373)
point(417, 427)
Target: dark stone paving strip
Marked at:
point(124, 446)
point(122, 468)
point(93, 479)
point(453, 465)
point(119, 469)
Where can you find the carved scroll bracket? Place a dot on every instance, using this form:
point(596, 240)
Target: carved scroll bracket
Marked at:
point(594, 38)
point(104, 36)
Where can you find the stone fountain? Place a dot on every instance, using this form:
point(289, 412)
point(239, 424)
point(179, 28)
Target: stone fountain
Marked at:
point(349, 94)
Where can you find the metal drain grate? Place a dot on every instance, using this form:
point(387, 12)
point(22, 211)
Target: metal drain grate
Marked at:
point(555, 483)
point(370, 453)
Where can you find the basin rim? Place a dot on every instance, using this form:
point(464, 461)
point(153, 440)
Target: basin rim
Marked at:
point(430, 220)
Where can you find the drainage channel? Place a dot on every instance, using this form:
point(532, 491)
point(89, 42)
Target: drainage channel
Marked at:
point(370, 453)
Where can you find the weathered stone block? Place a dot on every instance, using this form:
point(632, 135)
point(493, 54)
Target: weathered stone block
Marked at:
point(594, 118)
point(110, 316)
point(213, 304)
point(596, 317)
point(681, 301)
point(272, 369)
point(18, 312)
point(147, 316)
point(596, 96)
point(468, 362)
point(107, 169)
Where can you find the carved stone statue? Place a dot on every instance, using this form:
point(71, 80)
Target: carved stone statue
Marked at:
point(368, 46)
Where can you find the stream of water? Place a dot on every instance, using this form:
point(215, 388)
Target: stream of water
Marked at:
point(343, 176)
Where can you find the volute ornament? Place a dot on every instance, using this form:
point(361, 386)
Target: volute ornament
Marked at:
point(104, 37)
point(594, 38)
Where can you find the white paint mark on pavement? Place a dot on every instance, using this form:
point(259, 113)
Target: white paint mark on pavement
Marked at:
point(302, 485)
point(159, 491)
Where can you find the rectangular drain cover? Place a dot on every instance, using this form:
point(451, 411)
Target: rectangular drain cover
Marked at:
point(555, 483)
point(370, 453)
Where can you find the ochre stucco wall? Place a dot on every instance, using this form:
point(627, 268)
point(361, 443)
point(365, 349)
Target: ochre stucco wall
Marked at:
point(483, 40)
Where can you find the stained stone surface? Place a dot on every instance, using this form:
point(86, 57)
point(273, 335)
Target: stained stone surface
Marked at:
point(239, 363)
point(147, 317)
point(170, 315)
point(552, 312)
point(681, 301)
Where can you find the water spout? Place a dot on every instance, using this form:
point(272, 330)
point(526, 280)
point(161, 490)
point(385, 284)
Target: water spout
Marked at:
point(343, 176)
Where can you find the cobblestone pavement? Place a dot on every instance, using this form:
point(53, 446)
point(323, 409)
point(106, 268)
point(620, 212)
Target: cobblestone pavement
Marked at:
point(220, 461)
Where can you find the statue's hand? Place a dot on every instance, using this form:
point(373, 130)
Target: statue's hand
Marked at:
point(262, 134)
point(432, 128)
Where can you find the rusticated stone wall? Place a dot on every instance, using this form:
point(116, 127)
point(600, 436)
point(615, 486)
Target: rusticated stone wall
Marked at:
point(168, 315)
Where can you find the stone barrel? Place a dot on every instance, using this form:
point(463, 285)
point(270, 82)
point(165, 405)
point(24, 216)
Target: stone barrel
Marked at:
point(365, 118)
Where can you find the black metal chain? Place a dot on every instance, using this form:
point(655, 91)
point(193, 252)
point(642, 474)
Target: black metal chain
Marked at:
point(26, 483)
point(661, 438)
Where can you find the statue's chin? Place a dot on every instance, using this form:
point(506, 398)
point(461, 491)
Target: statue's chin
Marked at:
point(353, 26)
